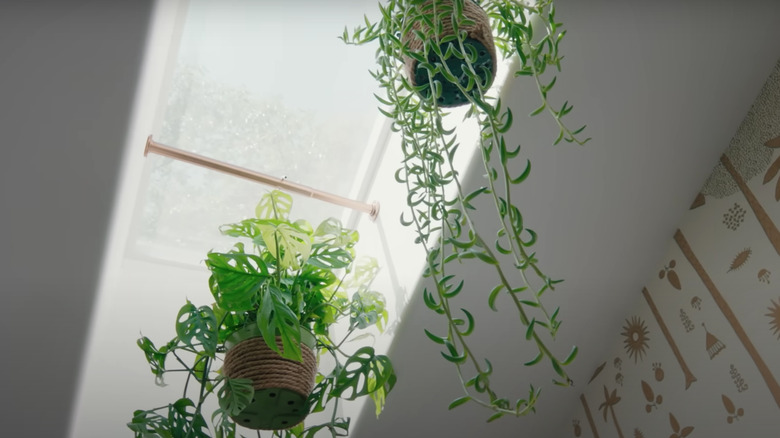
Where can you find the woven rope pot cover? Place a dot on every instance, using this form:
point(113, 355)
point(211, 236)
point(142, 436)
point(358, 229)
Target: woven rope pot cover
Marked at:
point(480, 39)
point(282, 386)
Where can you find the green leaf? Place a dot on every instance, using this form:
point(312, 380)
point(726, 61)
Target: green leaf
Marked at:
point(338, 427)
point(437, 339)
point(529, 331)
point(201, 369)
point(470, 326)
point(147, 424)
point(467, 200)
point(507, 122)
point(186, 421)
point(405, 222)
point(198, 323)
point(482, 255)
point(236, 279)
point(454, 358)
point(548, 87)
point(329, 257)
point(246, 228)
point(366, 308)
point(274, 205)
point(450, 292)
point(518, 290)
point(540, 109)
point(565, 109)
point(531, 240)
point(275, 318)
point(224, 427)
point(560, 137)
point(493, 295)
point(332, 232)
point(287, 243)
point(377, 394)
point(535, 360)
point(296, 431)
point(580, 129)
point(320, 395)
point(498, 246)
point(458, 244)
point(430, 301)
point(364, 364)
point(572, 355)
point(495, 417)
point(522, 177)
point(156, 358)
point(459, 401)
point(557, 368)
point(513, 153)
point(235, 395)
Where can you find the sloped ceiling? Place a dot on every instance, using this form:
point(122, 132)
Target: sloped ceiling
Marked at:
point(662, 86)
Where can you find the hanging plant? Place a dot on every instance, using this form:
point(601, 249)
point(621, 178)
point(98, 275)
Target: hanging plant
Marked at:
point(258, 346)
point(433, 55)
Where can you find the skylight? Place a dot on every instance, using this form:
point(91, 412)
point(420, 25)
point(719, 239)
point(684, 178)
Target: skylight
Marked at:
point(263, 85)
point(266, 86)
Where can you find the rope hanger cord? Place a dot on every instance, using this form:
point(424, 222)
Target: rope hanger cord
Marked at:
point(177, 154)
point(253, 359)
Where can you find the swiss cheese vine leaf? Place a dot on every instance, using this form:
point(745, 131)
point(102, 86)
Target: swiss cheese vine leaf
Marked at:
point(235, 395)
point(329, 257)
point(274, 205)
point(156, 358)
point(353, 380)
point(275, 318)
point(197, 324)
point(147, 424)
point(288, 244)
point(236, 278)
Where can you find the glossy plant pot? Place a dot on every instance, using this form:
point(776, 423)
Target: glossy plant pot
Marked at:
point(282, 386)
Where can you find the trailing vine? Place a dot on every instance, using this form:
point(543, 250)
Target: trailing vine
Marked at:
point(282, 281)
point(440, 210)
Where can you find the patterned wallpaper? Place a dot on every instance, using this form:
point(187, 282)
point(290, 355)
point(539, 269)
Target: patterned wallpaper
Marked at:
point(700, 354)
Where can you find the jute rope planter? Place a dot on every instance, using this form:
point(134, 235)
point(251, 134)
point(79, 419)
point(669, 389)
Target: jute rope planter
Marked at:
point(282, 386)
point(480, 38)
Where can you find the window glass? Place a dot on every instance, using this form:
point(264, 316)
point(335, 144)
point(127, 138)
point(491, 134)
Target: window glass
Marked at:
point(265, 85)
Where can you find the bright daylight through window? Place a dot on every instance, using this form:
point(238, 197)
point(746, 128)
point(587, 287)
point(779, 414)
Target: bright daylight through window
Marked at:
point(247, 89)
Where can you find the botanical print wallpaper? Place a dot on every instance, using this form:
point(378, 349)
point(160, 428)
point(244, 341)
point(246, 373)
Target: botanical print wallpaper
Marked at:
point(700, 354)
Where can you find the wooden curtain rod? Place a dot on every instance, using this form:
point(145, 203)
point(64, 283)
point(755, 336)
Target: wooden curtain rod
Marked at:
point(281, 183)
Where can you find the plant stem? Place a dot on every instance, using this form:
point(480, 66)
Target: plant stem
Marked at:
point(187, 382)
point(201, 397)
point(516, 244)
point(345, 338)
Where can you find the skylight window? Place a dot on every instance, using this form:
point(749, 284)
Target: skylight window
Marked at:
point(266, 86)
point(263, 85)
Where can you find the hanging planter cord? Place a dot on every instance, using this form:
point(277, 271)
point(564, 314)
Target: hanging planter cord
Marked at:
point(280, 183)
